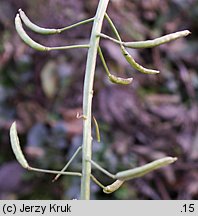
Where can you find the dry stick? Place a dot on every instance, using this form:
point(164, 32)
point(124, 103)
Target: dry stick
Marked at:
point(36, 45)
point(47, 31)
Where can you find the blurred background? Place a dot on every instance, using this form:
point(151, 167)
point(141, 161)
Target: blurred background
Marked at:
point(155, 116)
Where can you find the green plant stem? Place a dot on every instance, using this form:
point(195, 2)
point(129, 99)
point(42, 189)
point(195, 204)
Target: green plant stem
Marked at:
point(76, 24)
point(97, 182)
point(68, 47)
point(68, 163)
point(110, 38)
point(102, 169)
point(115, 31)
point(54, 171)
point(65, 173)
point(103, 62)
point(87, 99)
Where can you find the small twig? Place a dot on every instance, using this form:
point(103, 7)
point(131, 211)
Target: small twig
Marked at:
point(102, 169)
point(97, 182)
point(110, 38)
point(68, 163)
point(54, 171)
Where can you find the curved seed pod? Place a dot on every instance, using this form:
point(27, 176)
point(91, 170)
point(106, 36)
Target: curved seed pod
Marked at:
point(112, 78)
point(135, 65)
point(119, 80)
point(140, 171)
point(16, 146)
point(26, 38)
point(36, 28)
point(97, 129)
point(113, 187)
point(157, 41)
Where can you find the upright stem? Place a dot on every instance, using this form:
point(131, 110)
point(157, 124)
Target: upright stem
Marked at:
point(87, 99)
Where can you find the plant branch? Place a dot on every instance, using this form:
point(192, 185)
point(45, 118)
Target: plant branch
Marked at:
point(47, 31)
point(36, 45)
point(148, 43)
point(97, 182)
point(68, 47)
point(54, 171)
point(87, 99)
point(126, 55)
point(102, 169)
point(68, 163)
point(113, 78)
point(110, 38)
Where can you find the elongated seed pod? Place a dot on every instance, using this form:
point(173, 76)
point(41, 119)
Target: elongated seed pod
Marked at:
point(113, 78)
point(157, 41)
point(25, 37)
point(97, 129)
point(113, 187)
point(119, 80)
point(140, 171)
point(135, 65)
point(16, 146)
point(36, 28)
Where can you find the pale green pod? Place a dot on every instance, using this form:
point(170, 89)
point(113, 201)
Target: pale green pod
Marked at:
point(97, 129)
point(113, 187)
point(34, 27)
point(135, 65)
point(113, 78)
point(119, 80)
point(157, 41)
point(143, 170)
point(16, 146)
point(26, 38)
